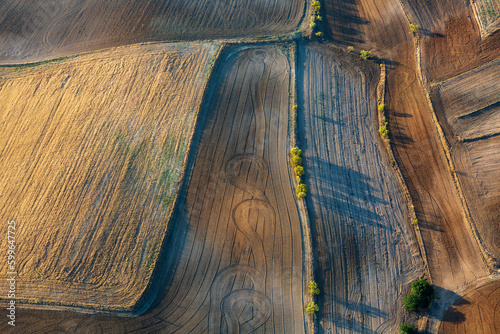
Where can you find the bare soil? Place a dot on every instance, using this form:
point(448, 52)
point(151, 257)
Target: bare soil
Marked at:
point(366, 252)
point(468, 107)
point(42, 29)
point(91, 156)
point(235, 255)
point(453, 255)
point(477, 311)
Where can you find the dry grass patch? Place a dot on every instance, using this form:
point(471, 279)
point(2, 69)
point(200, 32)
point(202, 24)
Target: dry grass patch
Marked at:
point(92, 152)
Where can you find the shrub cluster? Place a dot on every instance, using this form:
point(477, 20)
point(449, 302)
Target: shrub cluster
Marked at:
point(313, 288)
point(365, 54)
point(315, 17)
point(421, 296)
point(414, 28)
point(296, 161)
point(407, 328)
point(384, 132)
point(312, 308)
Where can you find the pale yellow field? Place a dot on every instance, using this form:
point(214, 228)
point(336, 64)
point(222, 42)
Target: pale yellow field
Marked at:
point(91, 154)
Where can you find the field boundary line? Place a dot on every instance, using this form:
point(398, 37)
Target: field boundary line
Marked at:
point(397, 169)
point(308, 257)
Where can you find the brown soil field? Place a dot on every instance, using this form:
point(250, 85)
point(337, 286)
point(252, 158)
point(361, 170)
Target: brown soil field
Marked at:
point(453, 256)
point(365, 249)
point(450, 38)
point(468, 107)
point(92, 152)
point(42, 29)
point(478, 311)
point(235, 251)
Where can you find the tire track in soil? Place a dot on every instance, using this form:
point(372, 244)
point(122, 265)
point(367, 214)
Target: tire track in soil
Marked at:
point(365, 249)
point(239, 263)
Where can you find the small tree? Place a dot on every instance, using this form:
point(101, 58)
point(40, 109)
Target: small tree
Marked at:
point(301, 195)
point(365, 54)
point(384, 132)
point(414, 28)
point(312, 308)
point(301, 188)
point(313, 288)
point(407, 328)
point(381, 107)
point(296, 151)
point(319, 34)
point(299, 170)
point(316, 5)
point(296, 160)
point(421, 296)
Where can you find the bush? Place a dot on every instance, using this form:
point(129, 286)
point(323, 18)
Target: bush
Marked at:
point(312, 25)
point(301, 195)
point(313, 288)
point(298, 179)
point(414, 28)
point(384, 132)
point(381, 107)
point(294, 108)
point(350, 48)
point(319, 34)
point(316, 5)
point(296, 151)
point(301, 188)
point(421, 296)
point(407, 328)
point(414, 221)
point(365, 54)
point(312, 308)
point(296, 160)
point(299, 170)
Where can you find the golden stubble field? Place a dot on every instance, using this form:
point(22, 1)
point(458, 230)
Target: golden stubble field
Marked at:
point(91, 154)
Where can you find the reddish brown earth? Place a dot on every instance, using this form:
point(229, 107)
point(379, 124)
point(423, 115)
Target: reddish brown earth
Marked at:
point(477, 311)
point(365, 250)
point(42, 29)
point(234, 261)
point(453, 256)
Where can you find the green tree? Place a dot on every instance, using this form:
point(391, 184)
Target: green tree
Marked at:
point(421, 296)
point(407, 328)
point(414, 28)
point(301, 188)
point(365, 54)
point(296, 160)
point(313, 288)
point(296, 151)
point(299, 170)
point(316, 5)
point(312, 308)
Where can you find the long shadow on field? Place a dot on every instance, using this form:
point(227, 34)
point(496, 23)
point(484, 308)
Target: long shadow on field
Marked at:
point(344, 22)
point(348, 193)
point(346, 322)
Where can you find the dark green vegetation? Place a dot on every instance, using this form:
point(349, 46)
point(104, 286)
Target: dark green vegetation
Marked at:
point(421, 296)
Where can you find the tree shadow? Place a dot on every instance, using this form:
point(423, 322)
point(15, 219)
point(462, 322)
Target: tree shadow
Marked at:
point(344, 22)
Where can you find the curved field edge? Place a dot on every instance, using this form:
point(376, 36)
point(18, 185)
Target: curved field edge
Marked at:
point(41, 30)
point(354, 202)
point(127, 145)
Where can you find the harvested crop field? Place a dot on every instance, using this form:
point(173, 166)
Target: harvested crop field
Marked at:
point(92, 152)
point(468, 106)
point(235, 252)
point(38, 30)
point(478, 311)
point(450, 36)
point(365, 248)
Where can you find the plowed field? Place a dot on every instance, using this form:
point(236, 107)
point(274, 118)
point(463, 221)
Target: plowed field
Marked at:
point(450, 38)
point(236, 250)
point(469, 108)
point(90, 157)
point(365, 249)
point(41, 29)
point(476, 312)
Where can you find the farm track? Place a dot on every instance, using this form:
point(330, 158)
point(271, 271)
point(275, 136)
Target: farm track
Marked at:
point(40, 30)
point(238, 234)
point(365, 249)
point(90, 167)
